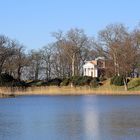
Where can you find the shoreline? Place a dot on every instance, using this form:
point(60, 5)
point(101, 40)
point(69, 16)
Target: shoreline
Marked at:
point(62, 91)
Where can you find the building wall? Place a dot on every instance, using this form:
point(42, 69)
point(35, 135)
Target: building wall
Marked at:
point(90, 70)
point(93, 68)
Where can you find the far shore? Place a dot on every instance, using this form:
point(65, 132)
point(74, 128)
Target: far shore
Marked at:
point(54, 90)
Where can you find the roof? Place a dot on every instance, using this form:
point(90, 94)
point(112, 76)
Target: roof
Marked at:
point(93, 62)
point(100, 58)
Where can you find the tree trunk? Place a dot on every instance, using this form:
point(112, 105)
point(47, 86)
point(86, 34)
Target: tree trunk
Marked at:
point(73, 65)
point(125, 84)
point(37, 71)
point(19, 73)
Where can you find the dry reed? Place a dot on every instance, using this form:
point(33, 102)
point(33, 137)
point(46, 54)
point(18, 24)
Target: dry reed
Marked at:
point(54, 90)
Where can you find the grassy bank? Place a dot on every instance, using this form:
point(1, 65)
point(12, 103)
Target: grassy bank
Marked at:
point(104, 89)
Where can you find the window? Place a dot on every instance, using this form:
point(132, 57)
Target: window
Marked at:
point(92, 73)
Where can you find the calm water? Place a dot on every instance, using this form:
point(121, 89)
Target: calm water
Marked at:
point(70, 118)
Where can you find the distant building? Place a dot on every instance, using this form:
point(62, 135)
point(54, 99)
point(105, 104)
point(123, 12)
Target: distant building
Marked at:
point(94, 68)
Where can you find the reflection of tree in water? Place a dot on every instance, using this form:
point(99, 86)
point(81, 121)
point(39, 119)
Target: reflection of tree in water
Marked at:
point(120, 124)
point(81, 125)
point(9, 127)
point(69, 125)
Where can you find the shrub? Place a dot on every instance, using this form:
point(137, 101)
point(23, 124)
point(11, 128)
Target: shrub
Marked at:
point(117, 80)
point(39, 83)
point(87, 80)
point(32, 83)
point(75, 80)
point(20, 84)
point(6, 80)
point(102, 79)
point(112, 79)
point(65, 82)
point(55, 82)
point(80, 80)
point(95, 82)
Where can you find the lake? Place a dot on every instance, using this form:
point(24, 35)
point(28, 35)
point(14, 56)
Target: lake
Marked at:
point(70, 118)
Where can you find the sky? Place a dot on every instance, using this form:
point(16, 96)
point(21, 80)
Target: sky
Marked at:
point(31, 22)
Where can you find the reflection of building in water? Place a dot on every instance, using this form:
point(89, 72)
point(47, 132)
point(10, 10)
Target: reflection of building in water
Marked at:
point(91, 119)
point(81, 122)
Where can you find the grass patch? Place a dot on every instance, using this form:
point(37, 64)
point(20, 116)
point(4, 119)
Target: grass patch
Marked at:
point(134, 83)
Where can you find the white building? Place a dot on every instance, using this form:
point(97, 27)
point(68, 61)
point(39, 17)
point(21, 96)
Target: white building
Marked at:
point(94, 68)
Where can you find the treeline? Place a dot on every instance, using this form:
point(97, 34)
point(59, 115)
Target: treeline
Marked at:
point(65, 57)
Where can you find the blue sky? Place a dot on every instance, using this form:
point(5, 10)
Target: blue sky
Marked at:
point(32, 21)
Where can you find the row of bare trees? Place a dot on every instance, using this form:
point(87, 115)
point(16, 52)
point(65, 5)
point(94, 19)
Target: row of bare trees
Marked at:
point(122, 49)
point(12, 57)
point(66, 55)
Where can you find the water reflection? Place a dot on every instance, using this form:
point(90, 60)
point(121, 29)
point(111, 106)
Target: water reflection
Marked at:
point(79, 124)
point(70, 118)
point(123, 123)
point(91, 119)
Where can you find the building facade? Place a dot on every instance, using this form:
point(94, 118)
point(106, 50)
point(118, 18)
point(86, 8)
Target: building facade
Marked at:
point(94, 68)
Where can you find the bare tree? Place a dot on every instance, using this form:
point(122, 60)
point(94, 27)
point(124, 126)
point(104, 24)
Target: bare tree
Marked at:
point(47, 54)
point(35, 66)
point(135, 38)
point(122, 49)
point(7, 49)
point(112, 38)
point(73, 44)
